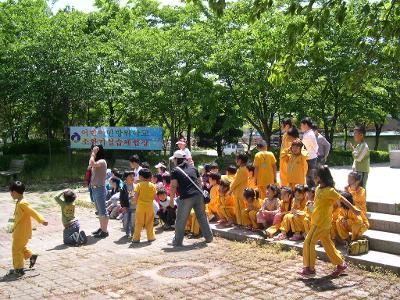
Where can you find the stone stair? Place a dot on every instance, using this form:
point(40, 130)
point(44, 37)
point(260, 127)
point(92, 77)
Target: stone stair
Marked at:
point(383, 236)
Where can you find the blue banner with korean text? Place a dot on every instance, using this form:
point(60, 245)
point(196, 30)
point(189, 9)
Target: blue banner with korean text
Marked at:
point(117, 138)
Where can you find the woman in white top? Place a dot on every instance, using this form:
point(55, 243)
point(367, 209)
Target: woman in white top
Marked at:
point(311, 144)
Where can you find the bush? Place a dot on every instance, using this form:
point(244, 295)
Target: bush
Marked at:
point(344, 157)
point(35, 146)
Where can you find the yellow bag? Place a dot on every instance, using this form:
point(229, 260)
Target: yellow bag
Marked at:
point(358, 247)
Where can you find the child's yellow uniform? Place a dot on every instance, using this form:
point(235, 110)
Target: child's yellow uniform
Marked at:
point(144, 216)
point(192, 224)
point(321, 223)
point(283, 210)
point(337, 211)
point(292, 221)
point(297, 167)
point(214, 201)
point(264, 161)
point(251, 183)
point(283, 163)
point(355, 225)
point(360, 201)
point(226, 208)
point(22, 232)
point(249, 214)
point(237, 188)
point(231, 178)
point(307, 217)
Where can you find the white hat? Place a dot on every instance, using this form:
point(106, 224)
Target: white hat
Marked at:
point(181, 141)
point(160, 165)
point(179, 154)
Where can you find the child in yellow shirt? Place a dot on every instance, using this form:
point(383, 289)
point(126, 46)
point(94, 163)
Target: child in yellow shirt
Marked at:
point(226, 207)
point(265, 168)
point(22, 231)
point(349, 222)
point(253, 205)
point(359, 196)
point(145, 193)
point(252, 179)
point(238, 185)
point(325, 197)
point(297, 166)
point(265, 216)
point(294, 219)
point(214, 180)
point(309, 210)
point(284, 208)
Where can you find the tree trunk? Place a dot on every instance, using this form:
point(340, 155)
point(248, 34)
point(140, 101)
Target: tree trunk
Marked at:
point(111, 119)
point(346, 137)
point(378, 130)
point(219, 148)
point(250, 140)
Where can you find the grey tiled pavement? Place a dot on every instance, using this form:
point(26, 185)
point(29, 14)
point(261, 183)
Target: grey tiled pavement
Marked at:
point(112, 268)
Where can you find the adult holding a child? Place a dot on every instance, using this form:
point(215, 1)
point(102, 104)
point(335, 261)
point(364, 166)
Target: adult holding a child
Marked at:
point(185, 181)
point(98, 165)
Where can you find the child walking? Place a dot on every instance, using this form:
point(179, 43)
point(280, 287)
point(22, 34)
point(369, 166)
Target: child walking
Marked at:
point(72, 233)
point(145, 193)
point(361, 155)
point(22, 231)
point(325, 197)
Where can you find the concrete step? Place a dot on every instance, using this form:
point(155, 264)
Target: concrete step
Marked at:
point(383, 208)
point(384, 241)
point(372, 259)
point(384, 222)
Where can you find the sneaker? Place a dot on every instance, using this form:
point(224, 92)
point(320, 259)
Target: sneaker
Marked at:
point(150, 241)
point(83, 238)
point(306, 272)
point(296, 237)
point(16, 272)
point(101, 235)
point(280, 237)
point(135, 241)
point(96, 232)
point(32, 261)
point(339, 270)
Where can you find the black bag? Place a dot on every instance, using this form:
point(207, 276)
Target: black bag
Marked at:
point(206, 194)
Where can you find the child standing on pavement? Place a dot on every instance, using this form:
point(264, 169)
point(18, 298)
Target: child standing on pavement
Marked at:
point(321, 221)
point(72, 233)
point(361, 155)
point(22, 231)
point(145, 193)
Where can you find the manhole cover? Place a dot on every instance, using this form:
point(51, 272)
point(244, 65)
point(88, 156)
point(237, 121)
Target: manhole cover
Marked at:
point(183, 272)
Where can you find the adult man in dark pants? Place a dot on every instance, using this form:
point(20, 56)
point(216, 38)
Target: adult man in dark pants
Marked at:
point(189, 197)
point(311, 144)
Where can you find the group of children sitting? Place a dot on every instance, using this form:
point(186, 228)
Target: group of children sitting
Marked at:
point(285, 212)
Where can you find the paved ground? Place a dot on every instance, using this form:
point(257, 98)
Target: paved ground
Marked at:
point(112, 268)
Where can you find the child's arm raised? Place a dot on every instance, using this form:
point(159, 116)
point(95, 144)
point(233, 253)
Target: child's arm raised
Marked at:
point(58, 198)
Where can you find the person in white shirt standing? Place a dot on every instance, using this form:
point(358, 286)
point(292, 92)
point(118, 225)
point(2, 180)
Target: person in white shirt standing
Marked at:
point(311, 144)
point(135, 165)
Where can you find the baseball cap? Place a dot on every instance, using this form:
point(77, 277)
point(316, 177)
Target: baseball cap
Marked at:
point(179, 154)
point(160, 165)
